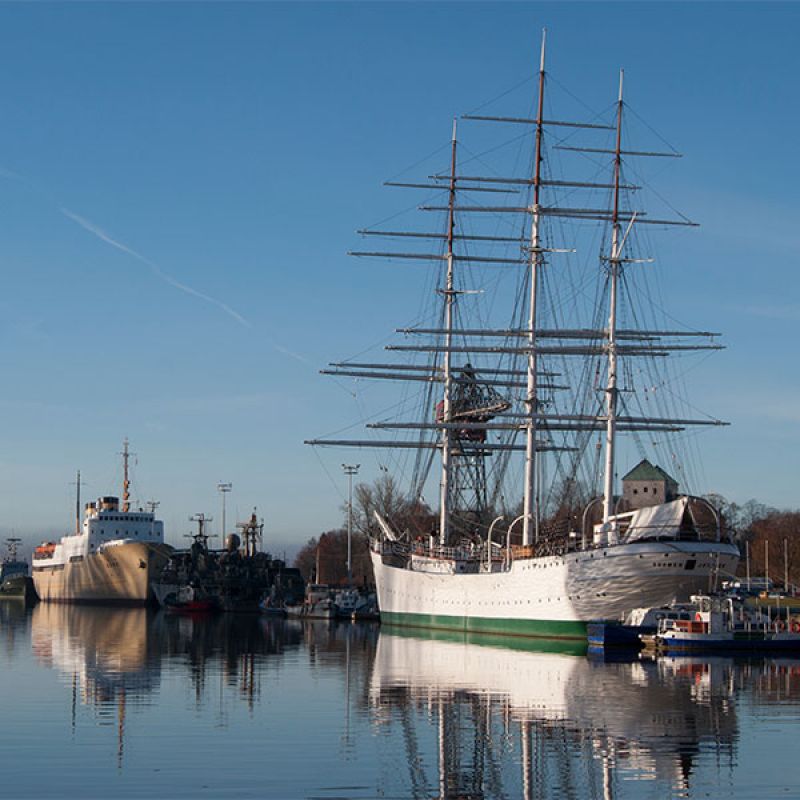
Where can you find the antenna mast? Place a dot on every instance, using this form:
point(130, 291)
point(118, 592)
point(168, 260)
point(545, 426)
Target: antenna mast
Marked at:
point(529, 515)
point(12, 543)
point(614, 263)
point(126, 484)
point(201, 536)
point(78, 485)
point(450, 295)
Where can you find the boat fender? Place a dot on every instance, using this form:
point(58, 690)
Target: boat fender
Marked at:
point(698, 616)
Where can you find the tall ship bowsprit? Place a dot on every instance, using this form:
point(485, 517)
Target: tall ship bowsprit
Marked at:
point(113, 555)
point(532, 358)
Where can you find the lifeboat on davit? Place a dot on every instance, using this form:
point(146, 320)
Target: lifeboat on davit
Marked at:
point(44, 550)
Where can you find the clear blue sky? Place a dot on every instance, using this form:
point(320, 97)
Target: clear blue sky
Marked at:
point(180, 184)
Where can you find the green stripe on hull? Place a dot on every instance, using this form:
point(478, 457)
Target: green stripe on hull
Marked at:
point(537, 628)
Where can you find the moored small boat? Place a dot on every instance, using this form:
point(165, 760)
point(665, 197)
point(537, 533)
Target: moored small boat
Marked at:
point(723, 624)
point(318, 604)
point(190, 600)
point(628, 633)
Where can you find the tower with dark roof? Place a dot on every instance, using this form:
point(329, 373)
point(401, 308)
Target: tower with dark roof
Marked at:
point(648, 485)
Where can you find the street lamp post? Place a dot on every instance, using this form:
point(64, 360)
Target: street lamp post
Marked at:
point(223, 489)
point(350, 470)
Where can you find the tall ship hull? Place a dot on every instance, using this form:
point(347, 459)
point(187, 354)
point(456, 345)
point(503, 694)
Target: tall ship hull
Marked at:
point(551, 596)
point(120, 574)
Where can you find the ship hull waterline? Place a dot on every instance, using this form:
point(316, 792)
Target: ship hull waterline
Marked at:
point(554, 596)
point(118, 575)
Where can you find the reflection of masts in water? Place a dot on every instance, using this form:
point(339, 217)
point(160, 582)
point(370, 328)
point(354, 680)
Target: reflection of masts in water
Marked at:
point(74, 707)
point(346, 737)
point(442, 751)
point(527, 763)
point(608, 785)
point(249, 685)
point(419, 782)
point(467, 772)
point(120, 727)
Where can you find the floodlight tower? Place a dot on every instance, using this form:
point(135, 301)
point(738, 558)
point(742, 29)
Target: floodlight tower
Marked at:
point(223, 489)
point(350, 470)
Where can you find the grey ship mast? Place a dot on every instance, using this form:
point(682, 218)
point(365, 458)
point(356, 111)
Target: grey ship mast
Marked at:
point(449, 300)
point(530, 489)
point(533, 341)
point(612, 393)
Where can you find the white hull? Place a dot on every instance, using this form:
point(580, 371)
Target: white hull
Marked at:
point(555, 595)
point(119, 574)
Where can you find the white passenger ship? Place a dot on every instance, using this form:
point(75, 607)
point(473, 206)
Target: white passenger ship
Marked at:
point(561, 356)
point(113, 556)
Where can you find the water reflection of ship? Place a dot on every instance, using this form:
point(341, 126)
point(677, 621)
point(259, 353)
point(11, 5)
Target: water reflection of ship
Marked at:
point(108, 655)
point(229, 648)
point(13, 624)
point(571, 722)
point(109, 650)
point(111, 658)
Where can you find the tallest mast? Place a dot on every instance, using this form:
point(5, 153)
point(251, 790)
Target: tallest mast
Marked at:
point(531, 514)
point(614, 263)
point(449, 300)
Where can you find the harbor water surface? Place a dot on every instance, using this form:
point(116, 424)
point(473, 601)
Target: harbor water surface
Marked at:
point(131, 703)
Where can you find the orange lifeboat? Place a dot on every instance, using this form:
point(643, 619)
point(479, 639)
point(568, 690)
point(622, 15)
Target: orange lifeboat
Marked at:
point(45, 550)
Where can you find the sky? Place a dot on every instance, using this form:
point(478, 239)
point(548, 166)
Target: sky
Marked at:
point(180, 184)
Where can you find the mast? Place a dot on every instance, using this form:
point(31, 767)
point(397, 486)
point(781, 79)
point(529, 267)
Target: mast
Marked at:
point(126, 484)
point(529, 513)
point(78, 503)
point(449, 295)
point(614, 264)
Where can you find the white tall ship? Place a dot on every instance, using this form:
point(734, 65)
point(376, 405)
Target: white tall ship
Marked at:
point(577, 357)
point(113, 556)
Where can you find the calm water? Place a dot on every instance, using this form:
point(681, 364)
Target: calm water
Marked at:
point(129, 703)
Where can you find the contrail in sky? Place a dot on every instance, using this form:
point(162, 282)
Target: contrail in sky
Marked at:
point(157, 271)
point(97, 231)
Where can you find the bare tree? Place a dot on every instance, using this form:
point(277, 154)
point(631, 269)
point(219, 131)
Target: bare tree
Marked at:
point(330, 552)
